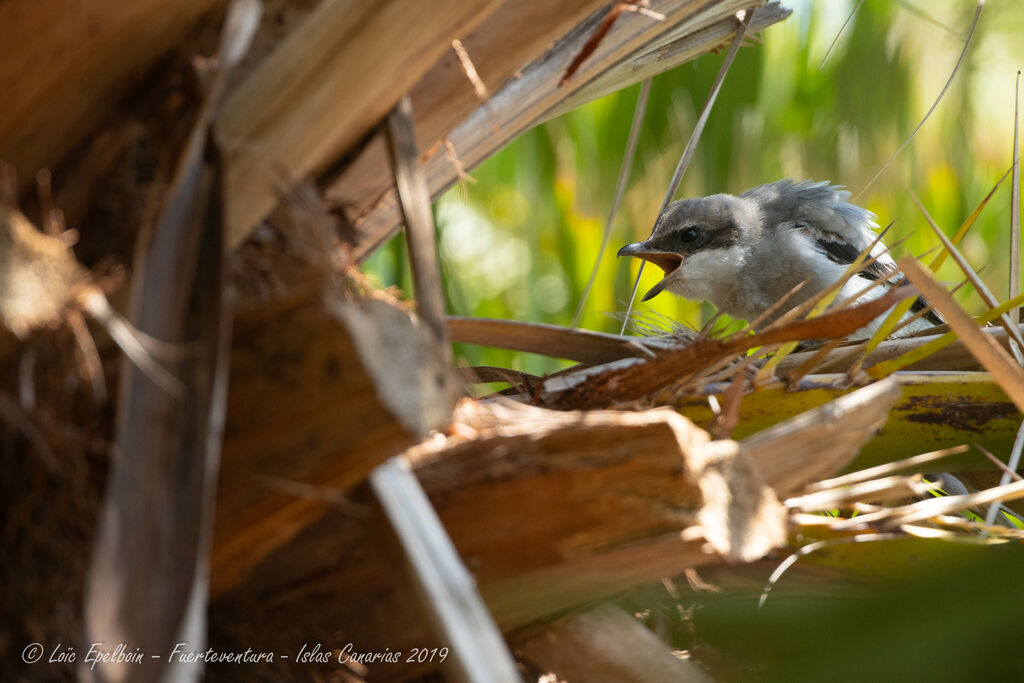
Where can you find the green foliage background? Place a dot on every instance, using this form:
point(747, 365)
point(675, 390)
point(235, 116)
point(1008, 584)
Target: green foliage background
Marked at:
point(520, 242)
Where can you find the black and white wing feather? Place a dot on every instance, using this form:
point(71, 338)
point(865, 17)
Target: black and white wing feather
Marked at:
point(841, 231)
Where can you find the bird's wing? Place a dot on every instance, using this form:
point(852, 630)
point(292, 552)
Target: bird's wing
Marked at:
point(819, 206)
point(838, 229)
point(842, 252)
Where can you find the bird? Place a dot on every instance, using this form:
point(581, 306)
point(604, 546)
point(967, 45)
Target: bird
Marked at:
point(744, 253)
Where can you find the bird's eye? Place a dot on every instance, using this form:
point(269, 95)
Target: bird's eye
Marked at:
point(690, 235)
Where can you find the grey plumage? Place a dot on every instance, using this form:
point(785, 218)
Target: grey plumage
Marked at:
point(743, 253)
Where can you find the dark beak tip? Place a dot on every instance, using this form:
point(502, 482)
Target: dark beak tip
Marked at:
point(629, 249)
point(656, 289)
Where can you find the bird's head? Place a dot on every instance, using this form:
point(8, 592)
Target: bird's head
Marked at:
point(699, 244)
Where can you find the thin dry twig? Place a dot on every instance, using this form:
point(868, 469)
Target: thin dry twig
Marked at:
point(979, 284)
point(814, 547)
point(1008, 374)
point(949, 81)
point(998, 463)
point(620, 189)
point(913, 462)
point(1010, 471)
point(932, 507)
point(467, 68)
point(875, 489)
point(839, 33)
point(1015, 207)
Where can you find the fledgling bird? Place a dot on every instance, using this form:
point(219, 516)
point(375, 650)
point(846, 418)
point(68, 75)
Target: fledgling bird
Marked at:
point(743, 253)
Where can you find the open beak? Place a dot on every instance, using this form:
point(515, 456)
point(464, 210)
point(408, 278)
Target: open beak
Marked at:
point(668, 261)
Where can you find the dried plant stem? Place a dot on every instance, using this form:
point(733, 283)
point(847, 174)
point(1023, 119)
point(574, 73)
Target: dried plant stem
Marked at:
point(1011, 469)
point(986, 295)
point(1015, 207)
point(620, 190)
point(1005, 371)
point(949, 81)
point(839, 33)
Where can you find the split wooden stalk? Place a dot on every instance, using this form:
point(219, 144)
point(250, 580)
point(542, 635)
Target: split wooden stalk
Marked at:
point(414, 199)
point(441, 584)
point(834, 432)
point(364, 188)
point(934, 411)
point(332, 79)
point(148, 582)
point(446, 591)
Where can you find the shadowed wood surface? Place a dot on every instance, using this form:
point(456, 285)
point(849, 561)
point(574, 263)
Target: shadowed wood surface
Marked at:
point(316, 401)
point(80, 57)
point(547, 509)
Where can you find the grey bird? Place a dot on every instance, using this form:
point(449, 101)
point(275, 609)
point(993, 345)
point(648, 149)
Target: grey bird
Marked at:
point(744, 253)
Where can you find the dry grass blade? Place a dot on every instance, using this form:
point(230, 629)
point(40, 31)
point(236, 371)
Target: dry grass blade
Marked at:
point(933, 507)
point(949, 81)
point(1005, 371)
point(1015, 206)
point(986, 295)
point(888, 469)
point(691, 144)
point(839, 33)
point(863, 492)
point(620, 189)
point(1010, 471)
point(925, 347)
